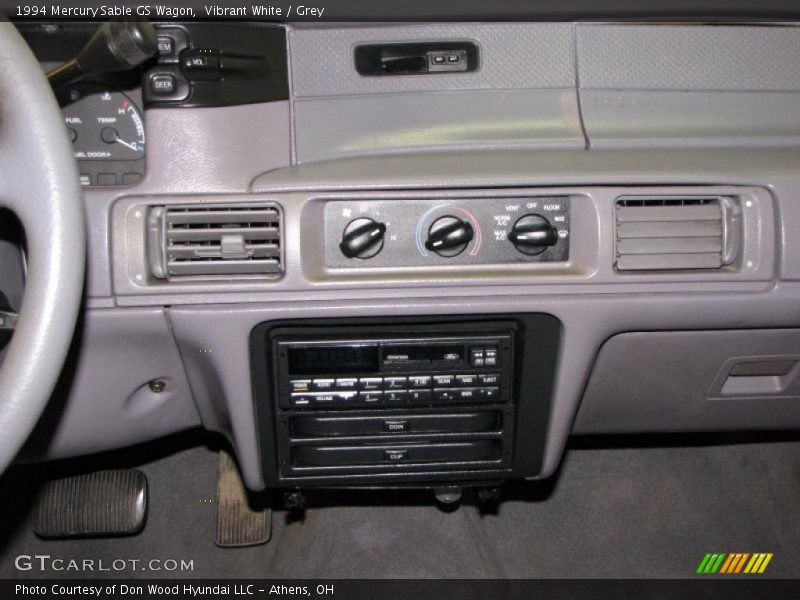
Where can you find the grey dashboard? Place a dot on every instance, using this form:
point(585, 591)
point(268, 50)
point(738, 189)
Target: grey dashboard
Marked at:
point(577, 117)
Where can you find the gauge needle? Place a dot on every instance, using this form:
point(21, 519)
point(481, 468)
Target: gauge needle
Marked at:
point(131, 146)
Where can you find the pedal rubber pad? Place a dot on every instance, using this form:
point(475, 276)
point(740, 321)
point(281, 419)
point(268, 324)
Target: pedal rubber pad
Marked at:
point(103, 503)
point(238, 523)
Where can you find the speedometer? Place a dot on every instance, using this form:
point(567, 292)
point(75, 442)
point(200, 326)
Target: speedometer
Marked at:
point(103, 124)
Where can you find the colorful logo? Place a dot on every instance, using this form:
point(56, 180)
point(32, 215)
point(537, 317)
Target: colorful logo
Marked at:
point(734, 563)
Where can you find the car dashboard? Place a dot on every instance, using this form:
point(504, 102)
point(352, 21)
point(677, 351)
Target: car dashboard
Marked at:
point(428, 253)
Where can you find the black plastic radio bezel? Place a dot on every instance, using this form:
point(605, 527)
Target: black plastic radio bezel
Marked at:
point(534, 358)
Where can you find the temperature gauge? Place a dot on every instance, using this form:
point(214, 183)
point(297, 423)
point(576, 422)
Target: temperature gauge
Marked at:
point(102, 124)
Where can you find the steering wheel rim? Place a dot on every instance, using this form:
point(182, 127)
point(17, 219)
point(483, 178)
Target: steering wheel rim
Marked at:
point(39, 182)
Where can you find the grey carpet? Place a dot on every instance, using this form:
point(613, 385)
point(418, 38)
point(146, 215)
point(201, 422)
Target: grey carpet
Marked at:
point(620, 512)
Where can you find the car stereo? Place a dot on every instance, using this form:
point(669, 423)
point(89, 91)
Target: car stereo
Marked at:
point(409, 400)
point(394, 371)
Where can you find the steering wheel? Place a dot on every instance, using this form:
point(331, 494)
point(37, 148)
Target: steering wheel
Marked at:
point(39, 184)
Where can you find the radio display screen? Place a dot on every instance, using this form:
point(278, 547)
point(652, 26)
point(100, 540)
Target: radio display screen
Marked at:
point(318, 360)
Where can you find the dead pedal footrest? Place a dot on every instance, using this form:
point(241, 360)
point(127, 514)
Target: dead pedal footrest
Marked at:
point(238, 523)
point(103, 503)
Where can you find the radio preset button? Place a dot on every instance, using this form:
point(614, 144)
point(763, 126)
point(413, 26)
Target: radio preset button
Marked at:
point(419, 381)
point(443, 380)
point(370, 397)
point(322, 385)
point(350, 383)
point(420, 395)
point(489, 379)
point(367, 384)
point(395, 397)
point(300, 385)
point(395, 383)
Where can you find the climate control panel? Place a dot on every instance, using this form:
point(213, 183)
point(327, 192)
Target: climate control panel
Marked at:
point(390, 233)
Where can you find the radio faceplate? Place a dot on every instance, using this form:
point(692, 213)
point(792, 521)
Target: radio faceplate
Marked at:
point(393, 371)
point(401, 401)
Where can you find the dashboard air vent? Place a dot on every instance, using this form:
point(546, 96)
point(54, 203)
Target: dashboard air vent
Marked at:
point(677, 233)
point(214, 241)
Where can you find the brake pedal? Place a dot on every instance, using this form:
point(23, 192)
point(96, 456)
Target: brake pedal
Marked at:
point(103, 503)
point(238, 524)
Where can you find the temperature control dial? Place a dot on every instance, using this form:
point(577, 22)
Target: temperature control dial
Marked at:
point(533, 234)
point(362, 238)
point(449, 236)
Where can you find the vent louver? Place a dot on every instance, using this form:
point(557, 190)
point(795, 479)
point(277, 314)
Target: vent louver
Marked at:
point(214, 241)
point(677, 233)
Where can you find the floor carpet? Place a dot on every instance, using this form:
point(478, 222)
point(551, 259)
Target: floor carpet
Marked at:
point(641, 508)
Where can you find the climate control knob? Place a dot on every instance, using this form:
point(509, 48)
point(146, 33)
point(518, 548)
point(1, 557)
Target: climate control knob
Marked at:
point(533, 234)
point(362, 238)
point(449, 236)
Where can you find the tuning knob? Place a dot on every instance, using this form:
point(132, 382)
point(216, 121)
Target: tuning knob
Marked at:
point(449, 236)
point(533, 234)
point(362, 238)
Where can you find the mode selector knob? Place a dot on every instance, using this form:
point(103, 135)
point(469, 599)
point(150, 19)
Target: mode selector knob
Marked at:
point(449, 236)
point(533, 234)
point(362, 238)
